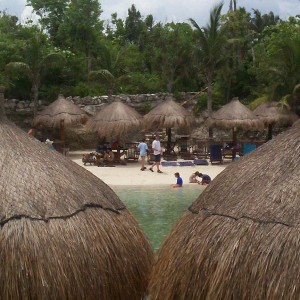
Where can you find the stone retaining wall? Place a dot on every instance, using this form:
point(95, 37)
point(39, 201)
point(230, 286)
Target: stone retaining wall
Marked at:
point(141, 102)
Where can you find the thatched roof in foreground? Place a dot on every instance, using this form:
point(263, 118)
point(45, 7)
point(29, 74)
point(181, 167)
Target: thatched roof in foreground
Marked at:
point(270, 113)
point(240, 239)
point(64, 233)
point(115, 119)
point(60, 110)
point(234, 114)
point(168, 114)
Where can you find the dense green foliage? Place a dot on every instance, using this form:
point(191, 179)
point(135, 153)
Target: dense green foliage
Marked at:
point(237, 54)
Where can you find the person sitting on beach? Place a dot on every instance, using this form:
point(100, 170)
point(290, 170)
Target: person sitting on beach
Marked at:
point(179, 181)
point(32, 131)
point(193, 177)
point(205, 178)
point(108, 156)
point(49, 143)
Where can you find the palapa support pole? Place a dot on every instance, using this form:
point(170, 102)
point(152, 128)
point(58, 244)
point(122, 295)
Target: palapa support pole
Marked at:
point(234, 141)
point(270, 132)
point(2, 109)
point(62, 132)
point(169, 140)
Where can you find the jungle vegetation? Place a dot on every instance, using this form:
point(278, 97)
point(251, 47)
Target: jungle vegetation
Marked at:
point(72, 51)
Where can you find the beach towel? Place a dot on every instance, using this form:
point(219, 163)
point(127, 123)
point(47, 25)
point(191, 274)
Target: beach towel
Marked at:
point(169, 163)
point(201, 162)
point(186, 163)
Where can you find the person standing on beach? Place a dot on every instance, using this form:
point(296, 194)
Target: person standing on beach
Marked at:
point(179, 181)
point(143, 147)
point(157, 154)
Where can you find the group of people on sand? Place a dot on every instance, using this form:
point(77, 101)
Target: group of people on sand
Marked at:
point(99, 158)
point(205, 179)
point(157, 151)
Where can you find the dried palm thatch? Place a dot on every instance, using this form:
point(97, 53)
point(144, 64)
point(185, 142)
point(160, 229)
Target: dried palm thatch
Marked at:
point(168, 114)
point(240, 239)
point(270, 113)
point(61, 110)
point(234, 115)
point(64, 233)
point(115, 119)
point(60, 114)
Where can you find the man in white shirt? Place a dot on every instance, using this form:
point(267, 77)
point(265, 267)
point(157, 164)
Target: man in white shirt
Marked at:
point(157, 154)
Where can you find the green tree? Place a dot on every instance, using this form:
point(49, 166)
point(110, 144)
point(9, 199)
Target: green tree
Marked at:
point(233, 74)
point(133, 25)
point(115, 68)
point(52, 14)
point(82, 29)
point(209, 44)
point(38, 58)
point(260, 22)
point(170, 55)
point(278, 61)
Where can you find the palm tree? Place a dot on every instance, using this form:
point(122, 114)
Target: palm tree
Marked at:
point(108, 74)
point(232, 5)
point(209, 44)
point(286, 67)
point(38, 59)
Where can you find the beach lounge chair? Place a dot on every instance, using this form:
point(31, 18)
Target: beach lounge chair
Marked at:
point(215, 155)
point(200, 161)
point(169, 163)
point(200, 149)
point(247, 148)
point(186, 163)
point(132, 154)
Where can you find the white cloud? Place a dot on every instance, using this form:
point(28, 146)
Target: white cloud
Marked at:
point(169, 10)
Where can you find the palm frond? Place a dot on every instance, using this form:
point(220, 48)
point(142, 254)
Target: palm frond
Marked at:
point(102, 74)
point(52, 59)
point(258, 101)
point(18, 67)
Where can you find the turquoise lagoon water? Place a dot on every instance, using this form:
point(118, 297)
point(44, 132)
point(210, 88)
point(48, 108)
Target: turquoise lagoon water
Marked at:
point(157, 208)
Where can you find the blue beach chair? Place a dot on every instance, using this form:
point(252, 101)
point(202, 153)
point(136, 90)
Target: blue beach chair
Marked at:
point(247, 148)
point(215, 153)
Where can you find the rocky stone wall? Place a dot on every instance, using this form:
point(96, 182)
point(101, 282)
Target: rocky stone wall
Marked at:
point(141, 102)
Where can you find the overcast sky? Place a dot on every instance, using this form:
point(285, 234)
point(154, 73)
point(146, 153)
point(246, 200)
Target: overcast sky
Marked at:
point(169, 10)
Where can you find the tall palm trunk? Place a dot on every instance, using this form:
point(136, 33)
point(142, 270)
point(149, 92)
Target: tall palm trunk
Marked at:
point(2, 110)
point(35, 96)
point(209, 99)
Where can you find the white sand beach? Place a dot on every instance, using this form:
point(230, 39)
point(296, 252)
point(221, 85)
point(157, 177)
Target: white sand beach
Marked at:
point(131, 174)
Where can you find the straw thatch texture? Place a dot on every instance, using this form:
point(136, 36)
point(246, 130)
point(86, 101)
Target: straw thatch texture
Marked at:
point(115, 119)
point(168, 114)
point(58, 111)
point(234, 115)
point(64, 233)
point(241, 238)
point(270, 113)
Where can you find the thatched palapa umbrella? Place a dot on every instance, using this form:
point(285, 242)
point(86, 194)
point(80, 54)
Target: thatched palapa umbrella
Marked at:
point(234, 115)
point(60, 114)
point(64, 233)
point(115, 119)
point(271, 114)
point(240, 239)
point(168, 114)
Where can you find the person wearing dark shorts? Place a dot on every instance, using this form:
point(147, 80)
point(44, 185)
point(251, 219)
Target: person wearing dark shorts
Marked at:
point(205, 178)
point(157, 154)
